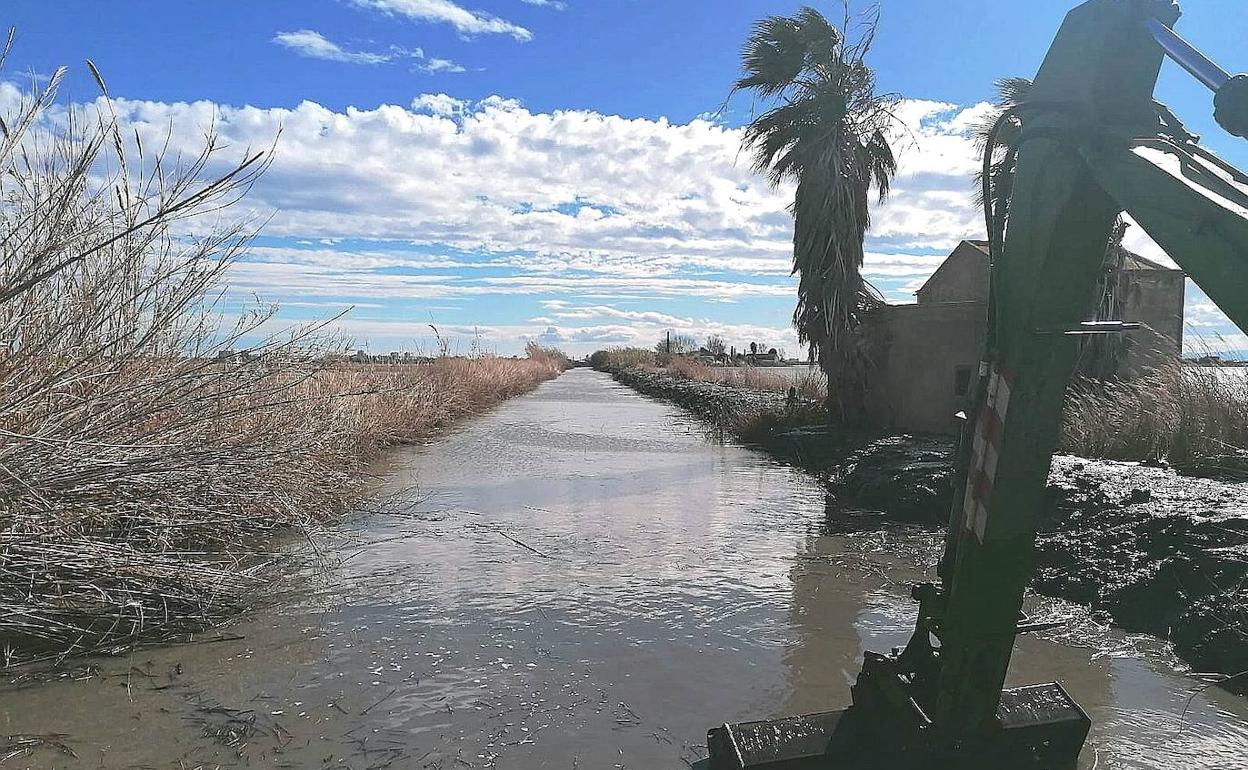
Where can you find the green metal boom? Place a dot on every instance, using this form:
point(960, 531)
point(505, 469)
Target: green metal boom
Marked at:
point(1094, 144)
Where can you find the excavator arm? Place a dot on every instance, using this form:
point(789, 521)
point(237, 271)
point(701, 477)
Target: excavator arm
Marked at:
point(1093, 144)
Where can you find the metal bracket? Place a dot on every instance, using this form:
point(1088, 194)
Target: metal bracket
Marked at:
point(1094, 327)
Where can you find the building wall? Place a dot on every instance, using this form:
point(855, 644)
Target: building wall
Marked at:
point(1155, 298)
point(922, 354)
point(962, 277)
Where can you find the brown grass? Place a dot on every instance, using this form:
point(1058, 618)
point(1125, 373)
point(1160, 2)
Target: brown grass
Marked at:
point(406, 403)
point(156, 522)
point(811, 385)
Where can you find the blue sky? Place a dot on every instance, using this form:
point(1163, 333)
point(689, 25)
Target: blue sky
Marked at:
point(557, 170)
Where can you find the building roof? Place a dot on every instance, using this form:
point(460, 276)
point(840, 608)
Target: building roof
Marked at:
point(962, 276)
point(947, 271)
point(1134, 261)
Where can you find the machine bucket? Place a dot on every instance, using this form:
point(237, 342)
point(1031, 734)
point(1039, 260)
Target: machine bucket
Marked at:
point(1036, 728)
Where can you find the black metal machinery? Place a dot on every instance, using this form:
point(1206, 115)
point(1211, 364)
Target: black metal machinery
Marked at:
point(1093, 144)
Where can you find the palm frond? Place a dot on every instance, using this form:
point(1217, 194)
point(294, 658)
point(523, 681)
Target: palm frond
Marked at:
point(821, 42)
point(773, 57)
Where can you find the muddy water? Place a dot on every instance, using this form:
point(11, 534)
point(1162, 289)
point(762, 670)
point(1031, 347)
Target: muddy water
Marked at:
point(587, 582)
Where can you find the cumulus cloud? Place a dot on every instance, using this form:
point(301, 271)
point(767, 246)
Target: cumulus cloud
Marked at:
point(439, 104)
point(466, 22)
point(314, 45)
point(575, 209)
point(587, 326)
point(572, 189)
point(495, 199)
point(384, 334)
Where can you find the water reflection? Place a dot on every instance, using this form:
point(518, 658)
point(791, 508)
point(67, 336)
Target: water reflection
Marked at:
point(851, 583)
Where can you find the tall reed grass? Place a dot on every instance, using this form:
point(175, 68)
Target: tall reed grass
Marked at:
point(142, 471)
point(618, 359)
point(1196, 418)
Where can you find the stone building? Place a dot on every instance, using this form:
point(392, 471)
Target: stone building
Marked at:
point(925, 354)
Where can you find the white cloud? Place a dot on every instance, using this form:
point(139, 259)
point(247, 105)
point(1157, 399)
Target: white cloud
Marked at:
point(314, 45)
point(609, 324)
point(466, 22)
point(439, 104)
point(571, 203)
point(276, 279)
point(598, 330)
point(436, 65)
point(557, 5)
point(490, 199)
point(385, 334)
point(572, 189)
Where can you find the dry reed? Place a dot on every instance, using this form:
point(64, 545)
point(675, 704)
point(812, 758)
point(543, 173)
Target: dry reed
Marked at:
point(811, 384)
point(619, 359)
point(1196, 418)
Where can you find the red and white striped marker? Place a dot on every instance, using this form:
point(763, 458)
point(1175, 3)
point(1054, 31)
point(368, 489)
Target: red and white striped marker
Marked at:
point(985, 447)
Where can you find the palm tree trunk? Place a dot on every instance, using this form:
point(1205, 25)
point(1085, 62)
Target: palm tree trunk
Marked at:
point(846, 402)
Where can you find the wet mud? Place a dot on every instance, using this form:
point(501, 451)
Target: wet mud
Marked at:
point(1158, 552)
point(586, 582)
point(1146, 547)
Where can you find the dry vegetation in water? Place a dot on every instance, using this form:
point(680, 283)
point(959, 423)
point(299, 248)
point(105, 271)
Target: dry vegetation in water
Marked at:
point(141, 476)
point(619, 359)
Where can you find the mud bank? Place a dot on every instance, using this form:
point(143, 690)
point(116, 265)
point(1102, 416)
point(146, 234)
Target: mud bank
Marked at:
point(1155, 551)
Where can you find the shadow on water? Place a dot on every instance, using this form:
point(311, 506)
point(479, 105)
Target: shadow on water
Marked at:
point(587, 582)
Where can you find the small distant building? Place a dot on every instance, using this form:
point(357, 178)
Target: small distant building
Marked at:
point(925, 355)
point(708, 356)
point(761, 358)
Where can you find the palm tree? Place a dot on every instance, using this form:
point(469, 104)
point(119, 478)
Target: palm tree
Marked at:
point(827, 130)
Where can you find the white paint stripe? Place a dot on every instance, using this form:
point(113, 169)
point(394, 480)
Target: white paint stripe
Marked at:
point(978, 443)
point(981, 521)
point(990, 463)
point(1003, 399)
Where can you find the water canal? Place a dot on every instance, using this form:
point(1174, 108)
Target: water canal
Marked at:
point(586, 582)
